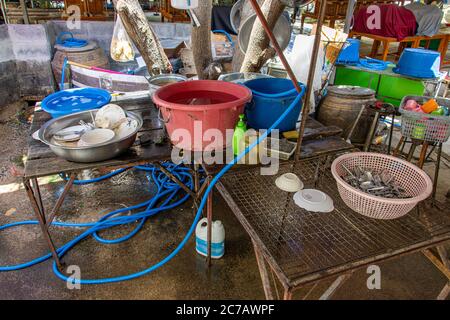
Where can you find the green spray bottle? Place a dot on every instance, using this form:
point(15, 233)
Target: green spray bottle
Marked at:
point(239, 133)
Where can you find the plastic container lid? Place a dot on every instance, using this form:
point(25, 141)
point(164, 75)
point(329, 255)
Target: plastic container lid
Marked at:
point(75, 100)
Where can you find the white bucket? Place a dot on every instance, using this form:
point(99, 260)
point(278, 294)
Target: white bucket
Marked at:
point(184, 4)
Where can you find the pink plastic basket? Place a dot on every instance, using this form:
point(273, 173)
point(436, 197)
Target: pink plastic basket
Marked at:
point(414, 180)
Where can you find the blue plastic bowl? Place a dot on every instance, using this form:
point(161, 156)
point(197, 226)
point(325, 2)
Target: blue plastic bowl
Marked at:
point(419, 63)
point(350, 52)
point(271, 97)
point(69, 101)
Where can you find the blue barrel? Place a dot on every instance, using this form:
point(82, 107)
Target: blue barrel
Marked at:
point(271, 97)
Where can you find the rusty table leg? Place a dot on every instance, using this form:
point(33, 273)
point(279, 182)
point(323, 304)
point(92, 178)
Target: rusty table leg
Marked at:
point(60, 200)
point(399, 146)
point(287, 294)
point(209, 216)
point(436, 172)
point(263, 272)
point(40, 215)
point(372, 131)
point(411, 151)
point(335, 286)
point(423, 154)
point(391, 134)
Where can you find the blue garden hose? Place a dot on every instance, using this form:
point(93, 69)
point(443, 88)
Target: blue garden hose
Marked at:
point(373, 64)
point(165, 188)
point(63, 73)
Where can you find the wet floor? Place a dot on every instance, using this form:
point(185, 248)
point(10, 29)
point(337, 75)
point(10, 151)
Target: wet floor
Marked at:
point(235, 276)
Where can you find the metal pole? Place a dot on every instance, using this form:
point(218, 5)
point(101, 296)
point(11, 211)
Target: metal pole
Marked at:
point(349, 15)
point(275, 44)
point(23, 4)
point(3, 5)
point(309, 86)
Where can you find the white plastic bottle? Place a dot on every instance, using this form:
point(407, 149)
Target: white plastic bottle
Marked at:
point(217, 241)
point(184, 4)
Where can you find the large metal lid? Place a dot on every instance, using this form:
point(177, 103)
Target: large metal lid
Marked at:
point(351, 91)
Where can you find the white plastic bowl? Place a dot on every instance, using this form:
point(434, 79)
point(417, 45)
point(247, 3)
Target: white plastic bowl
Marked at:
point(289, 182)
point(96, 137)
point(314, 200)
point(110, 117)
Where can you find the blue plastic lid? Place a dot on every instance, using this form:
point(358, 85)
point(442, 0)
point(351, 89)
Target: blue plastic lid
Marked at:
point(75, 100)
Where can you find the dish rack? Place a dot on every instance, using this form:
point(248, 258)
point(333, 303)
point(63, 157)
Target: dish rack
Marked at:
point(422, 126)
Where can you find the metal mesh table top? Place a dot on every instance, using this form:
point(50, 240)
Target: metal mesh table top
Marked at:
point(303, 246)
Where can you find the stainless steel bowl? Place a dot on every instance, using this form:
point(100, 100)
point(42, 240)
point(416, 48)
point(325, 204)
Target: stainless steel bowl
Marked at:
point(282, 32)
point(96, 153)
point(162, 80)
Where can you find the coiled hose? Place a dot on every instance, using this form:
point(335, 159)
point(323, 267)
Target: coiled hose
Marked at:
point(167, 192)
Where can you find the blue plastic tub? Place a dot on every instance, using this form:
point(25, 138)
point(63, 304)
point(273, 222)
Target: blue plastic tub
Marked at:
point(350, 52)
point(271, 97)
point(419, 63)
point(69, 101)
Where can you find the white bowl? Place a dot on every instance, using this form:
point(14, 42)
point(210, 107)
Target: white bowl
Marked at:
point(289, 182)
point(126, 128)
point(314, 200)
point(110, 117)
point(96, 137)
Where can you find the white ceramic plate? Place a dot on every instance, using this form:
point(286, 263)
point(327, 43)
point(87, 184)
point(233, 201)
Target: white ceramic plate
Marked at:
point(96, 137)
point(314, 200)
point(70, 134)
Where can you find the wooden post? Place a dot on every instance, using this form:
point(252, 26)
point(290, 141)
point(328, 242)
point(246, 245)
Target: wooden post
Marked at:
point(201, 39)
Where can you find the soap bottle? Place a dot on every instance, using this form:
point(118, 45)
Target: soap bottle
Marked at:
point(239, 133)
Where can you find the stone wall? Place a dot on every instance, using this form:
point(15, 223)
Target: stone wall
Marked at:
point(26, 52)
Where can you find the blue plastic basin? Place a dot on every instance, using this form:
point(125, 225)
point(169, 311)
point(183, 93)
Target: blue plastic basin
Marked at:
point(419, 63)
point(69, 101)
point(350, 52)
point(271, 97)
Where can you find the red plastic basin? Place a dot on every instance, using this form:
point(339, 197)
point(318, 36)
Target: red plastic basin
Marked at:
point(191, 109)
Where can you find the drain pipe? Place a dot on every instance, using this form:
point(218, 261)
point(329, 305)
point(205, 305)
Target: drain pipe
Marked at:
point(309, 86)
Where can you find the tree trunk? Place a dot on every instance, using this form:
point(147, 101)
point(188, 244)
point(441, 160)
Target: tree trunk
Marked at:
point(201, 39)
point(259, 51)
point(143, 36)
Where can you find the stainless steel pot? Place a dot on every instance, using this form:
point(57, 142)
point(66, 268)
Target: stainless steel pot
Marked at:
point(96, 153)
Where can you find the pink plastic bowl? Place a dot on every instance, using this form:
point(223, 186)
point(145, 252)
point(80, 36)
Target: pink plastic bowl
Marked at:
point(190, 109)
point(411, 178)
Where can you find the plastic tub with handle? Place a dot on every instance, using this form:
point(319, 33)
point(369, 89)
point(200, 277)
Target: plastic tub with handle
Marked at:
point(191, 109)
point(271, 97)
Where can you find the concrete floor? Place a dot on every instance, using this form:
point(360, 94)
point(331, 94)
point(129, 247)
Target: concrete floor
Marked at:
point(235, 276)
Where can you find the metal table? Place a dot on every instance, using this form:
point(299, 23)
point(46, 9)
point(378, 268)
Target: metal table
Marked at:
point(301, 247)
point(150, 147)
